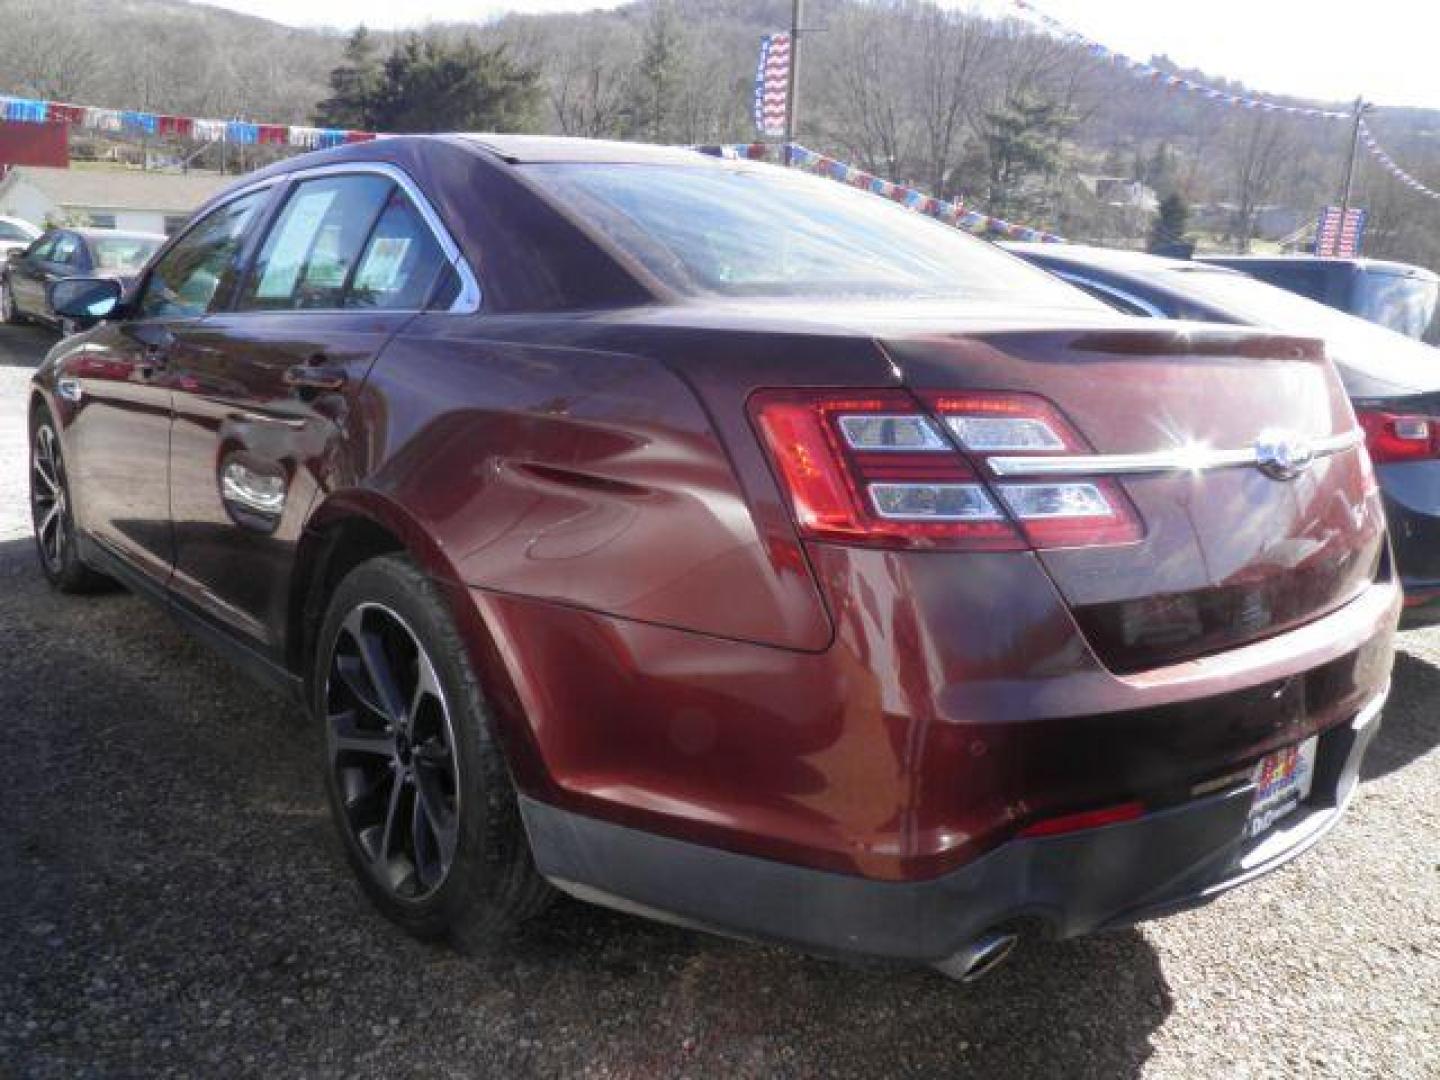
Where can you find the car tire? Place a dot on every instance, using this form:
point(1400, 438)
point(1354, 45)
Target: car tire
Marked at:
point(51, 511)
point(9, 313)
point(417, 784)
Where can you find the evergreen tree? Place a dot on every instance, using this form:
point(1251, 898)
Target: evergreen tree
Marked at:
point(427, 84)
point(662, 64)
point(1167, 233)
point(1024, 142)
point(352, 85)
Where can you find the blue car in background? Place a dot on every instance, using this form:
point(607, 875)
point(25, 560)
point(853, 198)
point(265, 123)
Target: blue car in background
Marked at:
point(1393, 380)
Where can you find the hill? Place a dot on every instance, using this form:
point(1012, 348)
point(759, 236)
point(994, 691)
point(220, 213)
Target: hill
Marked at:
point(1019, 123)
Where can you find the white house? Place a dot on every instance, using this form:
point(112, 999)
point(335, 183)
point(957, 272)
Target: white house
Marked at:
point(105, 198)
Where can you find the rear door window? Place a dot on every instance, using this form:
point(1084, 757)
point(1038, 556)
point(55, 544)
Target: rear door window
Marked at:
point(350, 241)
point(401, 261)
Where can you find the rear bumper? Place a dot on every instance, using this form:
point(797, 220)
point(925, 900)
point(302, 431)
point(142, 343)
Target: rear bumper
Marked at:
point(1112, 876)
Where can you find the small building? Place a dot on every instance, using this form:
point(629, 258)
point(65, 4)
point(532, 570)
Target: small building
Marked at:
point(105, 198)
point(1121, 192)
point(23, 143)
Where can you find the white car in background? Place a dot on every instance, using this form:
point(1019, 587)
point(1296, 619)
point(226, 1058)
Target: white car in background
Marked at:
point(16, 234)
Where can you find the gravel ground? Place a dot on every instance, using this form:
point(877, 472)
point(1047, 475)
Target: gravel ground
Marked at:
point(172, 902)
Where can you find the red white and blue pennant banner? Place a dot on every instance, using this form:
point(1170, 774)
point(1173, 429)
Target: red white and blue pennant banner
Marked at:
point(129, 121)
point(951, 213)
point(1389, 164)
point(1149, 72)
point(772, 84)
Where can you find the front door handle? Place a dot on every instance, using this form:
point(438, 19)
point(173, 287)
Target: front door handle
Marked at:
point(314, 377)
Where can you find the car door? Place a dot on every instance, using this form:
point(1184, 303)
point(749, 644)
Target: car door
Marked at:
point(270, 395)
point(120, 437)
point(27, 275)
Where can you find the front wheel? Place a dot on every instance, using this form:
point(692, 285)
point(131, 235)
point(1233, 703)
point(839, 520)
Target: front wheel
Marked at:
point(417, 786)
point(51, 511)
point(9, 314)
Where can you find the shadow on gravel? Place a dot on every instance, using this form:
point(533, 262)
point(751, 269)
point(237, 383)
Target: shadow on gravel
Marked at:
point(25, 346)
point(172, 899)
point(1410, 726)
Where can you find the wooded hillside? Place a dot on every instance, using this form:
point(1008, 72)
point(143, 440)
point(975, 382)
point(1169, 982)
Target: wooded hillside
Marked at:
point(1017, 122)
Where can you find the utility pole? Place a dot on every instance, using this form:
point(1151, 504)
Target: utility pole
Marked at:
point(1360, 110)
point(792, 89)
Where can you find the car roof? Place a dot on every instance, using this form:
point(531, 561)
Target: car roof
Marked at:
point(120, 234)
point(1386, 265)
point(1116, 259)
point(537, 149)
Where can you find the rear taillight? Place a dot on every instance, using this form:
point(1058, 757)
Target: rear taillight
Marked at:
point(1392, 437)
point(876, 468)
point(871, 468)
point(1069, 512)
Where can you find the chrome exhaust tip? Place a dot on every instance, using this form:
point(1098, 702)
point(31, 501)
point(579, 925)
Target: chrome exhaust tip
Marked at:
point(980, 957)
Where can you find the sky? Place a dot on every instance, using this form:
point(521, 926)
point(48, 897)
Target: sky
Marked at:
point(1383, 49)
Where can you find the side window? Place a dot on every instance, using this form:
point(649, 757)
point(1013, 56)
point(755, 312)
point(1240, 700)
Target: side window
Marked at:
point(11, 232)
point(66, 251)
point(400, 263)
point(40, 249)
point(310, 254)
point(185, 282)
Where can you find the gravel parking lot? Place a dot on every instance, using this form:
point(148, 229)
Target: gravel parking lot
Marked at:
point(172, 901)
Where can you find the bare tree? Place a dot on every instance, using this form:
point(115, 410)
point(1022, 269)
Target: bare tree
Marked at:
point(46, 57)
point(1261, 153)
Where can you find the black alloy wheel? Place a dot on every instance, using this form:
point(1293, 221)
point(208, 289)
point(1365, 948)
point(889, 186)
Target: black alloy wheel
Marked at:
point(49, 499)
point(391, 742)
point(418, 785)
point(52, 511)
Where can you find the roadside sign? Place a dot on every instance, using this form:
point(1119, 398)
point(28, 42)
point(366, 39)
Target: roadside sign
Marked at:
point(1340, 239)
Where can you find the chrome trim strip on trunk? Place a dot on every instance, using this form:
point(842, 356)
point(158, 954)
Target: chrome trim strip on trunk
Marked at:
point(1180, 459)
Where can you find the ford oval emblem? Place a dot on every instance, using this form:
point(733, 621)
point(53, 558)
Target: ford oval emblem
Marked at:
point(1283, 455)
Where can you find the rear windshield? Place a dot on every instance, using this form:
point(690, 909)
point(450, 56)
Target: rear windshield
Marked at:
point(762, 231)
point(1404, 304)
point(122, 254)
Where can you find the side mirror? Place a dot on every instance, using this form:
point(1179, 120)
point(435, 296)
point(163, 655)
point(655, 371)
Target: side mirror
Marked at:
point(85, 299)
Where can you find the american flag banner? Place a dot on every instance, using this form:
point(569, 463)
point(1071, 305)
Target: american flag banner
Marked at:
point(1336, 238)
point(772, 84)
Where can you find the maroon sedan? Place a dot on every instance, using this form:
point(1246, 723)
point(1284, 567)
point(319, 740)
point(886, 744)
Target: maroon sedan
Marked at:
point(725, 545)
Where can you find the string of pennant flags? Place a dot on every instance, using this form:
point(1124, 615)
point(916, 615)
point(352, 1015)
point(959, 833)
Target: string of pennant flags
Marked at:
point(1164, 78)
point(954, 213)
point(135, 122)
point(1389, 164)
point(1168, 80)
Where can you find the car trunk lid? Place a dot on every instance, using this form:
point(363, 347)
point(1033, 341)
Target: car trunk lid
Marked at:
point(1228, 551)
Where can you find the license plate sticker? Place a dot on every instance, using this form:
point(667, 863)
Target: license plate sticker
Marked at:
point(1282, 782)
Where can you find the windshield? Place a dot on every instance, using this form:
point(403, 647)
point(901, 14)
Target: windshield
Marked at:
point(1404, 304)
point(762, 231)
point(14, 230)
point(1355, 343)
point(122, 254)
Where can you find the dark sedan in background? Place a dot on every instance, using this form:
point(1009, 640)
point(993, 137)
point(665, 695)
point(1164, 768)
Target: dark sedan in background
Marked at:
point(1396, 295)
point(1393, 381)
point(63, 253)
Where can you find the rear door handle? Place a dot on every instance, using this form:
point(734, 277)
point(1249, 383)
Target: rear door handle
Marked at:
point(314, 377)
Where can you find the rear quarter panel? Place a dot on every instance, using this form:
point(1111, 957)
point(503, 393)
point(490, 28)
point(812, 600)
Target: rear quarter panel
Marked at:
point(579, 475)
